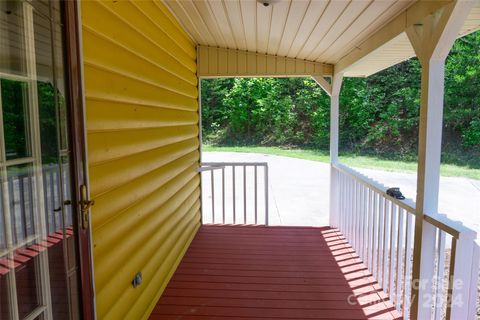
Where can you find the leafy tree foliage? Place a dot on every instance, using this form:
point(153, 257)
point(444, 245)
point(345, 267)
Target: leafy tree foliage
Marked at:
point(378, 114)
point(14, 96)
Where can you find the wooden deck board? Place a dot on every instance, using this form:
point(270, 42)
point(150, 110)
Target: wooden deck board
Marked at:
point(254, 272)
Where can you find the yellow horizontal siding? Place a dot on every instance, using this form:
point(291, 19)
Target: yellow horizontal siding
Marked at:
point(139, 33)
point(126, 62)
point(168, 253)
point(139, 256)
point(142, 134)
point(111, 145)
point(116, 85)
point(117, 115)
point(138, 164)
point(109, 237)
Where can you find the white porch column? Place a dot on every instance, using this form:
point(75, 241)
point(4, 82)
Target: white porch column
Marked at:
point(431, 40)
point(334, 129)
point(428, 177)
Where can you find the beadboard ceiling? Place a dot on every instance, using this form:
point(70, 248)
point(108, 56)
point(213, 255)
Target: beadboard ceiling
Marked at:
point(314, 30)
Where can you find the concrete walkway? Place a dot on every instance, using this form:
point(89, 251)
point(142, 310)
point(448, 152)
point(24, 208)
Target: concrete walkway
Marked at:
point(299, 189)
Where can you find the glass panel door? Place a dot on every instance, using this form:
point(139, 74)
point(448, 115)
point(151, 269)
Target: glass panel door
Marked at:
point(38, 250)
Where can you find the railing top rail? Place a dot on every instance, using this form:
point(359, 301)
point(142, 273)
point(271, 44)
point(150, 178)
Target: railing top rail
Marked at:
point(224, 164)
point(441, 221)
point(407, 204)
point(454, 228)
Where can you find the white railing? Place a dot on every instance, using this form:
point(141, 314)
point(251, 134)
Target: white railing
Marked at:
point(234, 192)
point(20, 190)
point(381, 230)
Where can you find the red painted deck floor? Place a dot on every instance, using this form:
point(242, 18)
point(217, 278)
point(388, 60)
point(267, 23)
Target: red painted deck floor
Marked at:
point(255, 272)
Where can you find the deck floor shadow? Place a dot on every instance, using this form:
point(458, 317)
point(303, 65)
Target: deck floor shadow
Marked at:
point(256, 272)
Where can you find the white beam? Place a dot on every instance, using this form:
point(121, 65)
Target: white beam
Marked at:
point(432, 39)
point(414, 14)
point(323, 83)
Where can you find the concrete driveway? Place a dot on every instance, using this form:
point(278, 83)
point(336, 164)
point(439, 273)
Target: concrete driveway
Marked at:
point(299, 189)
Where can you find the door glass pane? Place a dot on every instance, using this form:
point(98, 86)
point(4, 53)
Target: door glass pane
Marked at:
point(27, 272)
point(20, 191)
point(12, 49)
point(52, 104)
point(15, 119)
point(26, 280)
point(67, 193)
point(4, 310)
point(3, 238)
point(28, 210)
point(4, 270)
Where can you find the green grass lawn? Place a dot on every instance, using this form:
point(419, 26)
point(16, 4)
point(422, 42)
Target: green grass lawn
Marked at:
point(447, 170)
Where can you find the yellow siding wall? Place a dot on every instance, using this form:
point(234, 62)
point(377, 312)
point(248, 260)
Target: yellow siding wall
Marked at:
point(142, 119)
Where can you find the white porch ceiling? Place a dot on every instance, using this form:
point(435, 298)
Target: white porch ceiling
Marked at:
point(399, 49)
point(314, 30)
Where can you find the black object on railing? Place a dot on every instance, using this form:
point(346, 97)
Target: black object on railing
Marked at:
point(395, 193)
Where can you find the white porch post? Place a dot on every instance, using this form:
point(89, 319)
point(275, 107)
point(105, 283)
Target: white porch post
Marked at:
point(428, 177)
point(334, 129)
point(431, 40)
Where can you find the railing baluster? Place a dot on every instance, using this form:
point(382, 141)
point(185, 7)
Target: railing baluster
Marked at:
point(365, 224)
point(375, 233)
point(357, 217)
point(54, 197)
point(266, 195)
point(386, 243)
point(463, 276)
point(361, 224)
point(408, 266)
point(256, 193)
point(30, 201)
point(352, 212)
point(11, 189)
point(23, 211)
point(342, 201)
point(439, 292)
point(234, 194)
point(213, 195)
point(381, 227)
point(47, 201)
point(351, 201)
point(393, 244)
point(361, 221)
point(223, 195)
point(399, 270)
point(370, 231)
point(245, 194)
point(345, 207)
point(473, 305)
point(451, 272)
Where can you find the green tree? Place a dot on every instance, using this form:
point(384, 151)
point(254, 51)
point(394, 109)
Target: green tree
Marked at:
point(378, 114)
